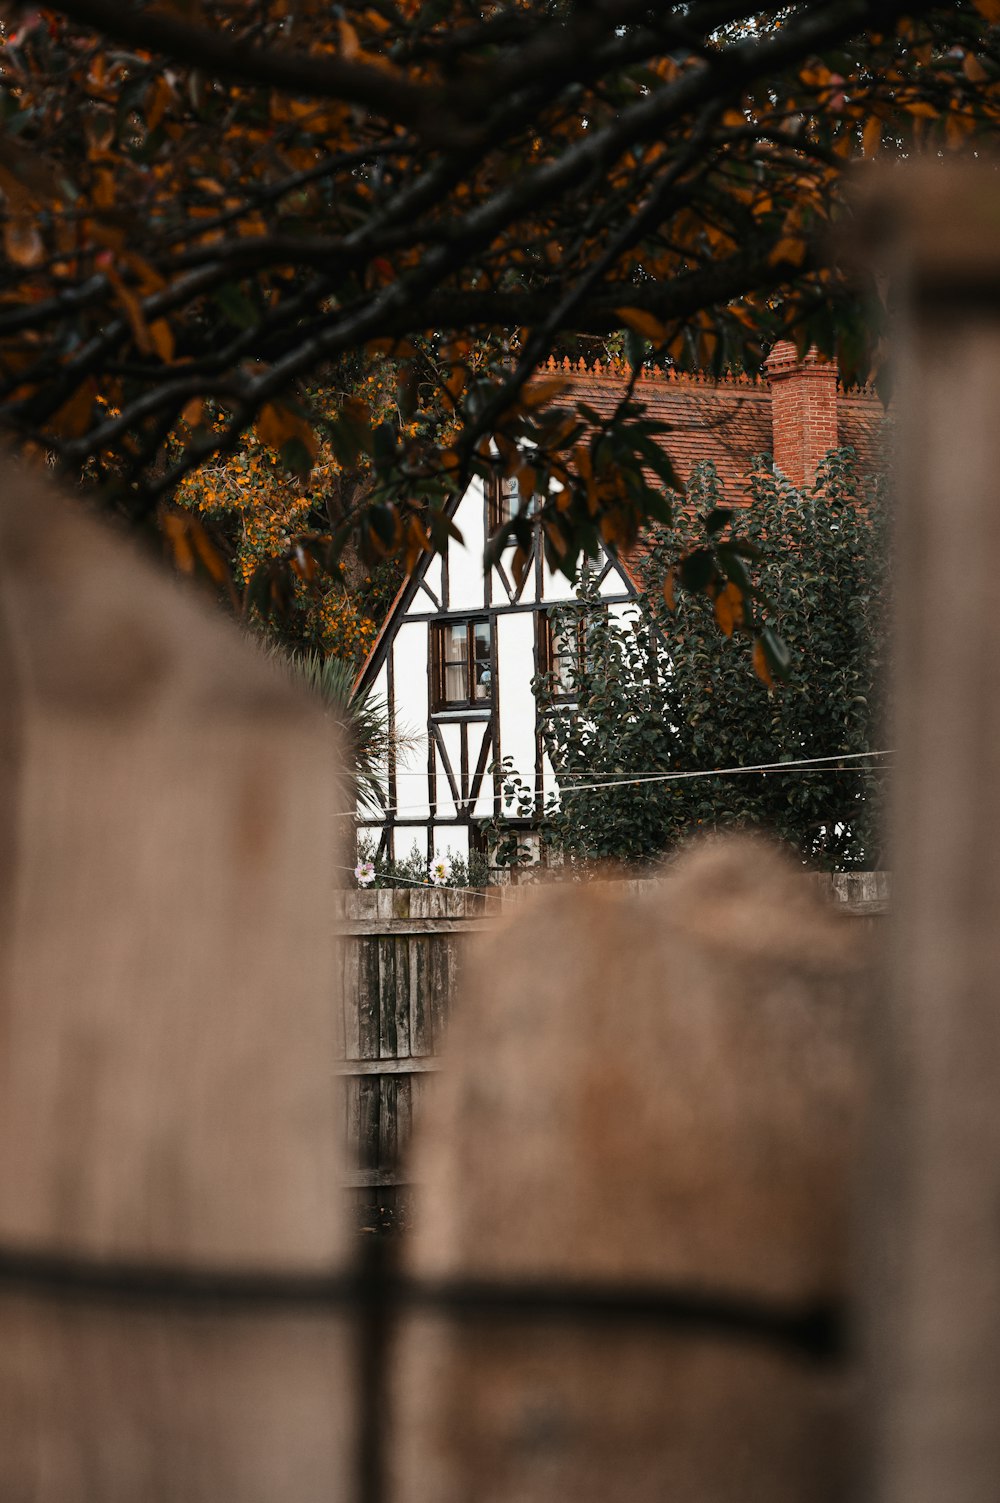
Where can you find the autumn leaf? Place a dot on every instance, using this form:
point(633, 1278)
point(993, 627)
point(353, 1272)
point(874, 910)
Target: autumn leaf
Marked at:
point(669, 597)
point(728, 608)
point(131, 305)
point(990, 9)
point(554, 534)
point(73, 416)
point(158, 100)
point(417, 542)
point(760, 664)
point(519, 565)
point(162, 338)
point(277, 424)
point(789, 248)
point(349, 43)
point(545, 390)
point(22, 242)
point(871, 136)
point(175, 528)
point(209, 555)
point(527, 479)
point(641, 322)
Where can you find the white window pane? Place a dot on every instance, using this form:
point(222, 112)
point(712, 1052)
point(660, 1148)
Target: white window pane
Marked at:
point(482, 681)
point(455, 646)
point(456, 643)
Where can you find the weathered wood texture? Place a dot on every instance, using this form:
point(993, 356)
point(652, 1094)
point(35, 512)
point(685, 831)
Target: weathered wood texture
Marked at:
point(167, 1031)
point(934, 1233)
point(402, 951)
point(658, 1086)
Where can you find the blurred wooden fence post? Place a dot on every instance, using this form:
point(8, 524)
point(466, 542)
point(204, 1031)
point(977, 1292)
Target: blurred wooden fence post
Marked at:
point(642, 1090)
point(934, 1236)
point(168, 1106)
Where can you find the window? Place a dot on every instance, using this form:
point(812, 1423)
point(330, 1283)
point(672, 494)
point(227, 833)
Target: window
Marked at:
point(461, 664)
point(506, 501)
point(562, 649)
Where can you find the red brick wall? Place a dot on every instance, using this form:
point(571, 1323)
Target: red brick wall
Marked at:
point(797, 414)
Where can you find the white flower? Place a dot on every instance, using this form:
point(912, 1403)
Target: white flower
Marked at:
point(440, 870)
point(365, 873)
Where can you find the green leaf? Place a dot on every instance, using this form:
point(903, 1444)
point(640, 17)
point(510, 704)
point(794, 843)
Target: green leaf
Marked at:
point(717, 518)
point(776, 650)
point(697, 569)
point(659, 462)
point(237, 307)
point(295, 457)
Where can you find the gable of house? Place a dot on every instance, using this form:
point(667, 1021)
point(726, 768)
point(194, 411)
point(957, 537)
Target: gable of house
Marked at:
point(456, 657)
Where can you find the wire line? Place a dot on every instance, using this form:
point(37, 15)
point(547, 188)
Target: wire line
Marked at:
point(792, 765)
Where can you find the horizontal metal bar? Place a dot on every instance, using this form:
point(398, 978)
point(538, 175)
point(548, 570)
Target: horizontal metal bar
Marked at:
point(374, 1179)
point(812, 1330)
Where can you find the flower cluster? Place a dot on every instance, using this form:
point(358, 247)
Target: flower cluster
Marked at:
point(364, 873)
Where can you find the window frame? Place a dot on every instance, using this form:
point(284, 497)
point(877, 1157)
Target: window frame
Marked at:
point(499, 514)
point(440, 703)
point(546, 647)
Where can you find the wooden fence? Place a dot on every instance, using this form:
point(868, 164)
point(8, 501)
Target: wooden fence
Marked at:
point(402, 951)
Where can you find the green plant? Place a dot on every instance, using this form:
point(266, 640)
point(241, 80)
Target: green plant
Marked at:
point(363, 718)
point(662, 695)
point(415, 871)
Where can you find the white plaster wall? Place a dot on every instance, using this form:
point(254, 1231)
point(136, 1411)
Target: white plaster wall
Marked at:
point(406, 837)
point(555, 586)
point(528, 594)
point(452, 841)
point(432, 575)
point(622, 612)
point(443, 803)
point(451, 735)
point(371, 834)
point(409, 670)
point(613, 584)
point(465, 560)
point(483, 806)
point(515, 667)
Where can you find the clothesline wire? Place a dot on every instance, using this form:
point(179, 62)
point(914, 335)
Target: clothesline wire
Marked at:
point(421, 772)
point(792, 765)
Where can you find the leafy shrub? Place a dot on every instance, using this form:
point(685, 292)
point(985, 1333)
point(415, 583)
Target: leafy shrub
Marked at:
point(666, 692)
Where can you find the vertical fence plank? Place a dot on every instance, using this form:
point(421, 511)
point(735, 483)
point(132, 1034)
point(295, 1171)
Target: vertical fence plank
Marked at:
point(439, 980)
point(369, 1107)
point(387, 1040)
point(168, 1030)
point(351, 998)
point(401, 997)
point(421, 1036)
point(430, 940)
point(642, 1089)
point(936, 1181)
point(388, 1140)
point(368, 998)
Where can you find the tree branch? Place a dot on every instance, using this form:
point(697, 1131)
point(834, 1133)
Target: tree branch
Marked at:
point(382, 89)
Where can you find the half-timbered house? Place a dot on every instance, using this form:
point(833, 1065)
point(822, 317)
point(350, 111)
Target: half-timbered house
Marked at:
point(458, 652)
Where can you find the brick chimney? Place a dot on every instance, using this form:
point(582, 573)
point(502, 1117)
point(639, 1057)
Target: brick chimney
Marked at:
point(803, 411)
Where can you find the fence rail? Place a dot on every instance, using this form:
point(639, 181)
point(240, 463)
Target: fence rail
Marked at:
point(401, 951)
